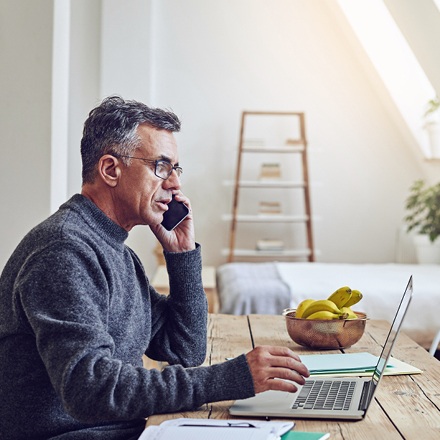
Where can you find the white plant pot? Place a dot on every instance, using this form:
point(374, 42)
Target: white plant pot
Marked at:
point(426, 251)
point(432, 127)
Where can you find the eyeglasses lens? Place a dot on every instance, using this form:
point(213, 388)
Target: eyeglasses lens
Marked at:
point(164, 169)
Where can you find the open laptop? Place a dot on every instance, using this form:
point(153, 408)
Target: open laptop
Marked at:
point(327, 398)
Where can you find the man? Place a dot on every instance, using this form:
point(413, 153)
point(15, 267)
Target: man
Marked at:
point(77, 311)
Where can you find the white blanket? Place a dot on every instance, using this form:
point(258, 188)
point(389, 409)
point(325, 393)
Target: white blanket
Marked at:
point(381, 284)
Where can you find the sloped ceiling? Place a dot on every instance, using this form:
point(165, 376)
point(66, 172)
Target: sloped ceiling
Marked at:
point(401, 38)
point(419, 22)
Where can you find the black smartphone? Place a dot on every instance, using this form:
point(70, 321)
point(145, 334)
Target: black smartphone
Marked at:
point(177, 211)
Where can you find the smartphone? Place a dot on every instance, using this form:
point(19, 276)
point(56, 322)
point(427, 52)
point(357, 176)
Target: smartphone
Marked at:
point(177, 211)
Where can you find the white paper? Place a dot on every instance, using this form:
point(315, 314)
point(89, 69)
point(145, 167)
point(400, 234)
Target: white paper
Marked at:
point(216, 429)
point(202, 433)
point(278, 428)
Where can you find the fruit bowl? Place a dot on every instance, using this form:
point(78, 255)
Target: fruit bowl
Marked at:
point(325, 333)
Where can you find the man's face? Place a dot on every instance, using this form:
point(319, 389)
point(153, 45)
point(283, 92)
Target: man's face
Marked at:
point(141, 195)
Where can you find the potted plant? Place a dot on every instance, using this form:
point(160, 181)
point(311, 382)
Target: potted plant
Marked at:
point(432, 125)
point(423, 217)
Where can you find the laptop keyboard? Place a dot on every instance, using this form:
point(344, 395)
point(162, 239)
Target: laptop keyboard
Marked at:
point(325, 394)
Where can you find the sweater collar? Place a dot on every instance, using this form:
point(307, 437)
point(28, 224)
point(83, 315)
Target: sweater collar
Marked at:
point(96, 218)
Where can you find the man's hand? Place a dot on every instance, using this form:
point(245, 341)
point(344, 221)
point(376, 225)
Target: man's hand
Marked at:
point(182, 237)
point(270, 364)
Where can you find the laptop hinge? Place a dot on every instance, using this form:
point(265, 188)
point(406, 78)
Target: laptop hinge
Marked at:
point(367, 394)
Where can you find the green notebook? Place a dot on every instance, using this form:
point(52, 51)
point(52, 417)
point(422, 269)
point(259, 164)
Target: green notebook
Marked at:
point(298, 435)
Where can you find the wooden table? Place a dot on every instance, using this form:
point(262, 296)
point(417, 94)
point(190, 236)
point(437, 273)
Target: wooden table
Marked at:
point(404, 407)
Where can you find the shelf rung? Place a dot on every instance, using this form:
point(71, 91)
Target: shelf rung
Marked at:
point(265, 254)
point(280, 149)
point(272, 218)
point(266, 183)
point(270, 184)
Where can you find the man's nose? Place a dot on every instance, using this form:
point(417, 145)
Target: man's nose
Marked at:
point(173, 180)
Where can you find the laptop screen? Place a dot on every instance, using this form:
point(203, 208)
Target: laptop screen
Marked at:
point(392, 335)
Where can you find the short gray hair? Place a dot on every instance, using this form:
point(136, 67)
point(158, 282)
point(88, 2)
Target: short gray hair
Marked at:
point(112, 128)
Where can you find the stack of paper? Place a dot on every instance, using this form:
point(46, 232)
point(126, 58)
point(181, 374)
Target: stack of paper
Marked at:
point(267, 208)
point(270, 171)
point(269, 245)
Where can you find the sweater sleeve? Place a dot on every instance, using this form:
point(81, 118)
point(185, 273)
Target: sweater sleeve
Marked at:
point(179, 321)
point(92, 381)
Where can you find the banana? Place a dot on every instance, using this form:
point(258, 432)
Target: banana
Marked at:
point(349, 312)
point(341, 296)
point(323, 314)
point(320, 306)
point(302, 306)
point(356, 296)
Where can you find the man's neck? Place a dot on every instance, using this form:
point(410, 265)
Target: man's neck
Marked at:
point(102, 202)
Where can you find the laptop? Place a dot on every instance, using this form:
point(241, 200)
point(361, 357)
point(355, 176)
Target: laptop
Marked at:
point(327, 398)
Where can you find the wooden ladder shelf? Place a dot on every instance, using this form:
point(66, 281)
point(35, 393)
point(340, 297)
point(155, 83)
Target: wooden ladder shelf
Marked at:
point(296, 145)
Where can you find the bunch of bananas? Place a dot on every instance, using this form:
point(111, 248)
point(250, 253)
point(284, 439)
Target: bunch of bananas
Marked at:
point(336, 306)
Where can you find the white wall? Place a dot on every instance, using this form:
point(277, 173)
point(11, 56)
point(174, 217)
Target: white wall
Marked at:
point(208, 61)
point(215, 59)
point(84, 79)
point(126, 59)
point(25, 118)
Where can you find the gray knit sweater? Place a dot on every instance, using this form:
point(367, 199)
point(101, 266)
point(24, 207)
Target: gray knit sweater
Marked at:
point(76, 314)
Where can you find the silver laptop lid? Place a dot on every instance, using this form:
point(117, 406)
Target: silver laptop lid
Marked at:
point(391, 338)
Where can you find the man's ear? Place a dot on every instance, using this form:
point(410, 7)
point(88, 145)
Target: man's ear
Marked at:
point(109, 170)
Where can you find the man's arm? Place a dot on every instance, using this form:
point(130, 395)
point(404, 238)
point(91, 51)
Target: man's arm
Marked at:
point(95, 377)
point(179, 321)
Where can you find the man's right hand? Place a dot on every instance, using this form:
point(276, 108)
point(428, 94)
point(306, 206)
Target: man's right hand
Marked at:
point(269, 364)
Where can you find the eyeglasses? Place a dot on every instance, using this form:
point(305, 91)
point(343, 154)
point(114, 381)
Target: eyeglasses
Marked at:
point(162, 168)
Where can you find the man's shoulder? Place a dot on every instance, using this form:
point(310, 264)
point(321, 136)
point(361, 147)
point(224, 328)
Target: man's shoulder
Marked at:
point(64, 223)
point(65, 228)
